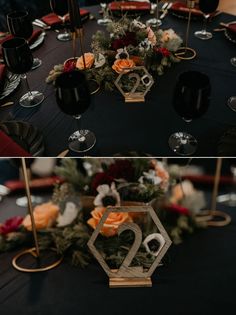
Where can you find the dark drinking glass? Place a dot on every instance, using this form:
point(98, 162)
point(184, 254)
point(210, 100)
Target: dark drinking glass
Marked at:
point(18, 59)
point(73, 98)
point(60, 8)
point(207, 7)
point(20, 25)
point(191, 100)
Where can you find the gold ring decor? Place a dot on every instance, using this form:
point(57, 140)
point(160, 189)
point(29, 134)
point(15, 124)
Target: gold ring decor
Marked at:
point(32, 251)
point(209, 215)
point(181, 52)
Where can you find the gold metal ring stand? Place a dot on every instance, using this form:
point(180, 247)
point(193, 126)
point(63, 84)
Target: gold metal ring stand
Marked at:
point(209, 215)
point(32, 251)
point(186, 53)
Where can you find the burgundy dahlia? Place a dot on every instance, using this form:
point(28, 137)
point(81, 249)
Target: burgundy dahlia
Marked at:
point(128, 39)
point(177, 209)
point(121, 169)
point(10, 225)
point(101, 179)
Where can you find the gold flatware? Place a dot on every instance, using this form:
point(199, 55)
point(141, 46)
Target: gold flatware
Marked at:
point(6, 104)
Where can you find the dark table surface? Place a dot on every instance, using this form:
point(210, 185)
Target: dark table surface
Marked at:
point(199, 277)
point(142, 127)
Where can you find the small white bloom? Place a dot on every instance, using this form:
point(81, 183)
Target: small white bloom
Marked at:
point(150, 176)
point(122, 53)
point(107, 194)
point(138, 24)
point(69, 215)
point(145, 45)
point(99, 61)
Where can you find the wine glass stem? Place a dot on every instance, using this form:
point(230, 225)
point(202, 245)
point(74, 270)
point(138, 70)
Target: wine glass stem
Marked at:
point(27, 85)
point(205, 24)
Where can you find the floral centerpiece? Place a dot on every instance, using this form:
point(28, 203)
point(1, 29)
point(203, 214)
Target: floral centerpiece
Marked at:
point(126, 44)
point(66, 222)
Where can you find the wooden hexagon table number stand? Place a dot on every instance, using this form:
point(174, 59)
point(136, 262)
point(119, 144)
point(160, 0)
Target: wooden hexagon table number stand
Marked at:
point(140, 80)
point(126, 275)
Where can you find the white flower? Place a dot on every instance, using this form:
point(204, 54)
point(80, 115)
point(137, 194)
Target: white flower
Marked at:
point(122, 53)
point(151, 177)
point(138, 24)
point(69, 215)
point(145, 45)
point(99, 60)
point(107, 196)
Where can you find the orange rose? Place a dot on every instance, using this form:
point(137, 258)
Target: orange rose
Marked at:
point(44, 216)
point(89, 61)
point(161, 172)
point(123, 65)
point(112, 223)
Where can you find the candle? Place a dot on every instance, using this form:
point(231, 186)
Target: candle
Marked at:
point(74, 13)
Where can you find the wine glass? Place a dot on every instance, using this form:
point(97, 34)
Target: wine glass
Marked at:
point(20, 25)
point(207, 7)
point(60, 8)
point(73, 98)
point(233, 61)
point(105, 19)
point(191, 100)
point(155, 22)
point(18, 59)
point(230, 198)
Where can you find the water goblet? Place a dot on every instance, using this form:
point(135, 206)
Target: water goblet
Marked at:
point(105, 19)
point(60, 8)
point(73, 98)
point(20, 25)
point(18, 58)
point(191, 100)
point(207, 7)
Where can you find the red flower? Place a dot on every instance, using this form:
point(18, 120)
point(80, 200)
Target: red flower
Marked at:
point(10, 225)
point(121, 169)
point(177, 209)
point(101, 179)
point(164, 51)
point(69, 65)
point(128, 39)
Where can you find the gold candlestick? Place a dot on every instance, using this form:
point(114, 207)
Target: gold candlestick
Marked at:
point(34, 251)
point(209, 215)
point(187, 53)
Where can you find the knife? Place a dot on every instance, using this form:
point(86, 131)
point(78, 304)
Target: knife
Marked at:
point(166, 11)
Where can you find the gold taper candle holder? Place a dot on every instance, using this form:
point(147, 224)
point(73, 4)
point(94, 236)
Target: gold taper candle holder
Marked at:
point(185, 52)
point(209, 216)
point(34, 251)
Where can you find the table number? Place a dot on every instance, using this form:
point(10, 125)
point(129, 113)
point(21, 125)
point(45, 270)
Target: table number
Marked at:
point(141, 82)
point(127, 275)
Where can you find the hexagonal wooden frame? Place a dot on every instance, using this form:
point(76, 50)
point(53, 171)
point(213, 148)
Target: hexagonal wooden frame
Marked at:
point(100, 259)
point(136, 96)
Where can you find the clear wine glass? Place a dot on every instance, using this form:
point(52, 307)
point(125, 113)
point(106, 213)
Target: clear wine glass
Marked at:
point(207, 7)
point(233, 61)
point(60, 8)
point(230, 198)
point(154, 22)
point(19, 60)
point(191, 100)
point(20, 25)
point(73, 98)
point(105, 12)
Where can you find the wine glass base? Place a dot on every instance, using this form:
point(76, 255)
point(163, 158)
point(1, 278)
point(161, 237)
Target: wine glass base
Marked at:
point(232, 103)
point(183, 143)
point(104, 21)
point(64, 37)
point(227, 199)
point(233, 61)
point(153, 22)
point(203, 35)
point(31, 99)
point(82, 141)
point(94, 87)
point(23, 201)
point(36, 63)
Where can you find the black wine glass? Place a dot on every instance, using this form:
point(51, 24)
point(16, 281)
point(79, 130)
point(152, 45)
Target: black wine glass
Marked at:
point(191, 100)
point(20, 25)
point(73, 98)
point(60, 8)
point(207, 7)
point(18, 58)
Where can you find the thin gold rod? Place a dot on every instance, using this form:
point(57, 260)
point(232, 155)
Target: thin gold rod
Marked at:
point(82, 45)
point(30, 207)
point(74, 45)
point(216, 183)
point(188, 28)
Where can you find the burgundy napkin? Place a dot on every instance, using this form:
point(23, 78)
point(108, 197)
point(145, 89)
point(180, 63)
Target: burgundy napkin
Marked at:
point(2, 76)
point(180, 7)
point(129, 6)
point(52, 19)
point(231, 27)
point(9, 148)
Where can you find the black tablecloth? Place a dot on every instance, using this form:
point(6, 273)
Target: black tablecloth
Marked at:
point(199, 277)
point(141, 127)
